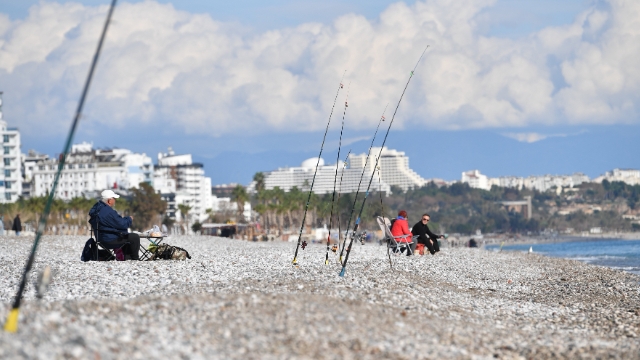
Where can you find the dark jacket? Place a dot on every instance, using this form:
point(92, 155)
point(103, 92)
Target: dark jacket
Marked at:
point(109, 225)
point(17, 224)
point(423, 233)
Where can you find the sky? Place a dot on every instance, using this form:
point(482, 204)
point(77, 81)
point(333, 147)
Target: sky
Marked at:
point(509, 87)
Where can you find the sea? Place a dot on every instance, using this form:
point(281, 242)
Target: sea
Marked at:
point(613, 253)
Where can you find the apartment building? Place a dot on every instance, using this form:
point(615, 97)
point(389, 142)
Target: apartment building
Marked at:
point(89, 171)
point(178, 174)
point(10, 164)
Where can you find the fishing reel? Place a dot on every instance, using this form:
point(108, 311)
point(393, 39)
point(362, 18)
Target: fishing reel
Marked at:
point(334, 248)
point(362, 236)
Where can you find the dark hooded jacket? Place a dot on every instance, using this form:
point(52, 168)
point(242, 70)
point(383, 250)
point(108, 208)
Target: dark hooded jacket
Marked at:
point(17, 225)
point(424, 234)
point(109, 225)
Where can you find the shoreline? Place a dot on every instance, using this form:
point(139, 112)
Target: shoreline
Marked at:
point(238, 299)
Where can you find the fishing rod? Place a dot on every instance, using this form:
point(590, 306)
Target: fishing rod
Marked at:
point(383, 218)
point(11, 324)
point(334, 248)
point(346, 233)
point(335, 177)
point(306, 207)
point(357, 224)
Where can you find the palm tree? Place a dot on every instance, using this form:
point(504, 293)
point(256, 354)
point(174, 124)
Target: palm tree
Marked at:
point(239, 196)
point(184, 212)
point(259, 179)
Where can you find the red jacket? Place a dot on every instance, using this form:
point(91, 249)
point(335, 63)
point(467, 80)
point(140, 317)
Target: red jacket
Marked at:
point(401, 227)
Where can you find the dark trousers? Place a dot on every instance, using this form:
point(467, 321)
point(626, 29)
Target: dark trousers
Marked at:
point(432, 246)
point(131, 248)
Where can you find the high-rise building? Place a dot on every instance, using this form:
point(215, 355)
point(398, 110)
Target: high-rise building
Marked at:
point(178, 174)
point(393, 165)
point(11, 164)
point(302, 178)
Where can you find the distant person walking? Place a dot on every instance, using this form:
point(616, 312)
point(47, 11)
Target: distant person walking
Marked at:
point(425, 236)
point(17, 225)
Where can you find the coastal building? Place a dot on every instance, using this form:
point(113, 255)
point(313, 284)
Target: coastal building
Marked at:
point(88, 171)
point(476, 180)
point(179, 175)
point(628, 176)
point(302, 178)
point(393, 165)
point(11, 164)
point(541, 183)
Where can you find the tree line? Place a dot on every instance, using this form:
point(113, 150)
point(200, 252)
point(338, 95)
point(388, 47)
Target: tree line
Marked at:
point(455, 208)
point(143, 203)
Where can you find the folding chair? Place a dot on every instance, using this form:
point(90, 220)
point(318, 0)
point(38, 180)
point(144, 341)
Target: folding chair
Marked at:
point(108, 248)
point(393, 245)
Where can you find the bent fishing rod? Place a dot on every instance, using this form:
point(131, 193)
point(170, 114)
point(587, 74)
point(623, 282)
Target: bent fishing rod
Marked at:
point(366, 162)
point(306, 207)
point(335, 177)
point(11, 325)
point(357, 224)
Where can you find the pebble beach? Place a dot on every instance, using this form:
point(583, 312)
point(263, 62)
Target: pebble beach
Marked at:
point(237, 299)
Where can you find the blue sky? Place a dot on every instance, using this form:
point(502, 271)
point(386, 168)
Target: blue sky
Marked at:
point(508, 87)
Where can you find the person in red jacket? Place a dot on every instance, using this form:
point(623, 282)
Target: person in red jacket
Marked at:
point(400, 230)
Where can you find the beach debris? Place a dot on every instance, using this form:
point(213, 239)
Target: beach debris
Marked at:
point(509, 281)
point(44, 280)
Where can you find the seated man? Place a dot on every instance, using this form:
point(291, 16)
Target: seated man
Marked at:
point(400, 231)
point(425, 236)
point(112, 228)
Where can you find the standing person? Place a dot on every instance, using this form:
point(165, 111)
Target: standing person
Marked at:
point(17, 225)
point(1, 224)
point(425, 236)
point(400, 230)
point(110, 227)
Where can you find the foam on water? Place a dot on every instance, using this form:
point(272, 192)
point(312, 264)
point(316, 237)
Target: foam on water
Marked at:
point(613, 253)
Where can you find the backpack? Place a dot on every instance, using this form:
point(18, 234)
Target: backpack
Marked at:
point(89, 252)
point(168, 252)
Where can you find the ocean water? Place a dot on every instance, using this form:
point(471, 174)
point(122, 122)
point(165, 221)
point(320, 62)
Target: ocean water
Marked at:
point(613, 253)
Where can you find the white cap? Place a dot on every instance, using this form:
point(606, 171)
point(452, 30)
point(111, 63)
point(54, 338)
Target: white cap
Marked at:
point(109, 194)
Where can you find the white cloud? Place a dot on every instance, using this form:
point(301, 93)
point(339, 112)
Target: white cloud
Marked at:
point(526, 137)
point(531, 137)
point(190, 73)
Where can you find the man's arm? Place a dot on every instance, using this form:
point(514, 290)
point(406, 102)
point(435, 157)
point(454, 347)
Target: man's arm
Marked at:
point(431, 235)
point(112, 219)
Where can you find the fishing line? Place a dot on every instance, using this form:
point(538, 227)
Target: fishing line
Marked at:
point(346, 233)
point(11, 325)
point(383, 218)
point(304, 217)
point(357, 224)
point(335, 177)
point(334, 248)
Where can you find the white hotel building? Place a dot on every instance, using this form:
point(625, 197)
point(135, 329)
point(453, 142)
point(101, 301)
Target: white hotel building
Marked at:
point(11, 164)
point(393, 165)
point(541, 183)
